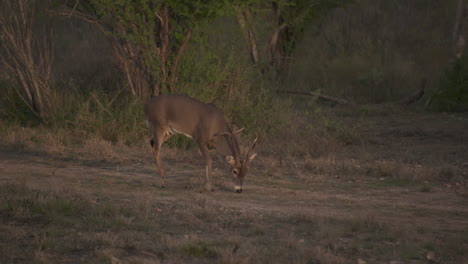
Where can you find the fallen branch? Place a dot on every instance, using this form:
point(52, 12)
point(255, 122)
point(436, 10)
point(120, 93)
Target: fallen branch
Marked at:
point(416, 96)
point(319, 96)
point(406, 101)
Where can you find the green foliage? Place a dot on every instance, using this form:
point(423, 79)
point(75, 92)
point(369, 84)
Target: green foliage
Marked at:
point(153, 33)
point(226, 79)
point(366, 52)
point(452, 95)
point(342, 54)
point(299, 14)
point(114, 117)
point(198, 12)
point(14, 108)
point(343, 134)
point(134, 23)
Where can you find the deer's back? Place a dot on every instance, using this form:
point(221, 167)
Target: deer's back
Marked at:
point(185, 114)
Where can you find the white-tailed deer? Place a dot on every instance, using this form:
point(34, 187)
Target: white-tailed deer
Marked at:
point(167, 115)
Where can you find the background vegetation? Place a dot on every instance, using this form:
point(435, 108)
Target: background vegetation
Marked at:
point(88, 66)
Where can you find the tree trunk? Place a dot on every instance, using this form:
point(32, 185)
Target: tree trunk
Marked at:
point(458, 38)
point(279, 41)
point(164, 50)
point(175, 65)
point(246, 25)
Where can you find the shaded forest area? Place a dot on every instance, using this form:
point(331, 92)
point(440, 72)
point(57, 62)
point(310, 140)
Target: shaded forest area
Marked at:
point(86, 63)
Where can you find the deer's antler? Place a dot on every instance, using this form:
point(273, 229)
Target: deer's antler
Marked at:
point(234, 145)
point(238, 131)
point(252, 147)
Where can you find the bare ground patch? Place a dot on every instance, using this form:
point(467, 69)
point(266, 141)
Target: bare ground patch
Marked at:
point(395, 196)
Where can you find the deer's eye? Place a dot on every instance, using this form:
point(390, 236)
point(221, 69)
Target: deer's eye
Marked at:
point(235, 172)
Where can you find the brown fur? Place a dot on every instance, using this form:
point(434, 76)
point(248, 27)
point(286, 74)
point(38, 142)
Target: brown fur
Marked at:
point(205, 123)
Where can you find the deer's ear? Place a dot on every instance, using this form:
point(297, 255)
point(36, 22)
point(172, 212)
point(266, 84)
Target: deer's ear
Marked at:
point(252, 157)
point(230, 159)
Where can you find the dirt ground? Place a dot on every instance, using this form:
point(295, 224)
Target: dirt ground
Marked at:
point(398, 195)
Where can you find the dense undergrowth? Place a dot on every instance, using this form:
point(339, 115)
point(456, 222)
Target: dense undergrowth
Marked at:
point(341, 54)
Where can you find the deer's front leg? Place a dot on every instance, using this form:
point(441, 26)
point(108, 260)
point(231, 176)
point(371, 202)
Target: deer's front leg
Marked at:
point(156, 143)
point(206, 154)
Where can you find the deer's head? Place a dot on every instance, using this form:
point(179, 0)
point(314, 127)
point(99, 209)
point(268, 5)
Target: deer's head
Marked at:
point(239, 167)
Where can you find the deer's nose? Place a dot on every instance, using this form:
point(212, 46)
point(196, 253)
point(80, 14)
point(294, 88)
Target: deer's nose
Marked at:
point(238, 190)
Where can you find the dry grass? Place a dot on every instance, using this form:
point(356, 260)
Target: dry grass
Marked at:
point(86, 200)
point(147, 225)
point(378, 169)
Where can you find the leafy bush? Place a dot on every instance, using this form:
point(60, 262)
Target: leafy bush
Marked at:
point(13, 108)
point(452, 95)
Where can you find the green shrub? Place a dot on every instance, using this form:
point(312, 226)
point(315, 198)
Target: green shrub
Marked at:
point(452, 95)
point(12, 107)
